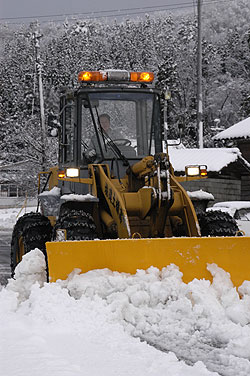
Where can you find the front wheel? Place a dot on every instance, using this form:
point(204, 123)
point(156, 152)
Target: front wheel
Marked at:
point(31, 231)
point(217, 223)
point(78, 225)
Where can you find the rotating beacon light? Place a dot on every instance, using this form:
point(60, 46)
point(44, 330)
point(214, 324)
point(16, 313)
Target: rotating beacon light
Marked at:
point(115, 75)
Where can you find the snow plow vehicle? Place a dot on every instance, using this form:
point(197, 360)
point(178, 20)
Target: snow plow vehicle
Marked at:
point(114, 201)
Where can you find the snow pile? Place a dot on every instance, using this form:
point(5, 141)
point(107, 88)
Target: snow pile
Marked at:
point(51, 332)
point(76, 197)
point(55, 191)
point(31, 270)
point(200, 195)
point(94, 323)
point(8, 217)
point(235, 205)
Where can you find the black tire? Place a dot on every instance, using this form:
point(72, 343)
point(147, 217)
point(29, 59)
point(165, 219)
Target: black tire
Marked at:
point(78, 224)
point(31, 231)
point(217, 223)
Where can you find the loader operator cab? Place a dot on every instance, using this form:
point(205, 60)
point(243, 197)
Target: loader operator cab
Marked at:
point(123, 100)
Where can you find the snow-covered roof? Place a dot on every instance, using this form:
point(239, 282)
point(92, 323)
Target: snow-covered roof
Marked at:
point(239, 130)
point(215, 158)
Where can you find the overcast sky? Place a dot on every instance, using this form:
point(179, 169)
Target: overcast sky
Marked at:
point(34, 8)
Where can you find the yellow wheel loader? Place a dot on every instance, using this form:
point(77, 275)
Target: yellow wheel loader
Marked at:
point(114, 201)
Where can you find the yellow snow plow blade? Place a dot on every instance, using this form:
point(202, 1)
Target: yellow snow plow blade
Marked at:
point(127, 255)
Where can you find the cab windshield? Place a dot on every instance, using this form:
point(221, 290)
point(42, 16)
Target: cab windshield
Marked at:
point(126, 119)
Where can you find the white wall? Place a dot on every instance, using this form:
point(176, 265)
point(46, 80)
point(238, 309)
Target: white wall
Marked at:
point(16, 202)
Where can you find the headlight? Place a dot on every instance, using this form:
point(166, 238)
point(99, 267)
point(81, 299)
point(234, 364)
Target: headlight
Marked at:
point(192, 171)
point(72, 172)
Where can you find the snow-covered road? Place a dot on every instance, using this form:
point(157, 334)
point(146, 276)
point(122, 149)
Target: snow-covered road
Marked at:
point(5, 239)
point(8, 217)
point(102, 322)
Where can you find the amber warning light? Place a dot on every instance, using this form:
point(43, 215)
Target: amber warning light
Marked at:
point(115, 75)
point(92, 76)
point(61, 174)
point(141, 76)
point(203, 170)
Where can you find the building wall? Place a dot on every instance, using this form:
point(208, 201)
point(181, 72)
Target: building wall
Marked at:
point(245, 188)
point(221, 189)
point(11, 190)
point(244, 147)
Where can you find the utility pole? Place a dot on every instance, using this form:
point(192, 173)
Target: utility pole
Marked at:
point(36, 37)
point(199, 80)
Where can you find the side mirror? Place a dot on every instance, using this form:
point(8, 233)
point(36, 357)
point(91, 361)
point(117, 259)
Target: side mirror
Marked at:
point(180, 127)
point(54, 132)
point(53, 125)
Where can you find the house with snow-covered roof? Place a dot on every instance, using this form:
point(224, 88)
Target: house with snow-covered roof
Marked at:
point(239, 134)
point(225, 167)
point(238, 131)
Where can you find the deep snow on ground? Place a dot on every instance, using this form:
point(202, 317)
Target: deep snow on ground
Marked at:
point(100, 322)
point(111, 323)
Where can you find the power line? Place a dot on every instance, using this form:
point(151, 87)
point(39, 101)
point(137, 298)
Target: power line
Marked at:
point(98, 12)
point(95, 12)
point(126, 14)
point(114, 12)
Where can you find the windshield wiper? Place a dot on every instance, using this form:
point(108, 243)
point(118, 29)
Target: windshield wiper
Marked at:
point(115, 148)
point(96, 129)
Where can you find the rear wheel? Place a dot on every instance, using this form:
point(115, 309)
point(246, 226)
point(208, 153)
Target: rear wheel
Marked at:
point(78, 224)
point(31, 231)
point(217, 223)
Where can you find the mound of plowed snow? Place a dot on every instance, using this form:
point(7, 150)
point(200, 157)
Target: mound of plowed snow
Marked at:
point(111, 323)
